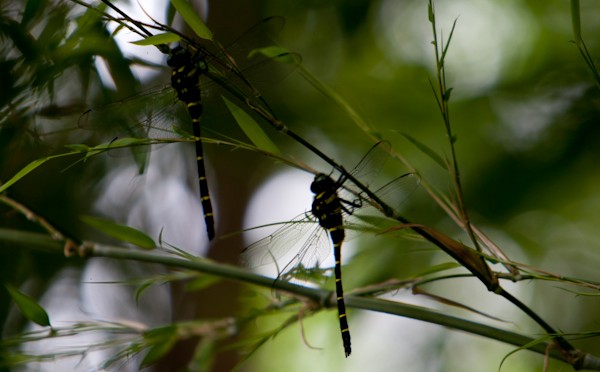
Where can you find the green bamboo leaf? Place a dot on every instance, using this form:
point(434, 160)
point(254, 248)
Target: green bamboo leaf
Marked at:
point(162, 340)
point(371, 223)
point(205, 353)
point(438, 268)
point(443, 300)
point(277, 53)
point(202, 282)
point(192, 19)
point(447, 94)
point(78, 147)
point(340, 101)
point(30, 167)
point(251, 128)
point(23, 172)
point(123, 142)
point(164, 38)
point(28, 306)
point(426, 150)
point(144, 284)
point(430, 14)
point(528, 345)
point(269, 51)
point(121, 232)
point(576, 20)
point(143, 287)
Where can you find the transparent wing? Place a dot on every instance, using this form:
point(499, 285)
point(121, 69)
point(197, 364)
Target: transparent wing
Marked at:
point(157, 113)
point(261, 75)
point(373, 161)
point(394, 193)
point(299, 242)
point(154, 113)
point(238, 50)
point(252, 55)
point(397, 191)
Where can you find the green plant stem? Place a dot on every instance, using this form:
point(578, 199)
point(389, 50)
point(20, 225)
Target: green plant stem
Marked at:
point(443, 319)
point(33, 217)
point(576, 20)
point(567, 353)
point(319, 296)
point(443, 103)
point(583, 50)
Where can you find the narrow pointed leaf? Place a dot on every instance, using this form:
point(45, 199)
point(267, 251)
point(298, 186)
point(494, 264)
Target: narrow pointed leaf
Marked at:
point(430, 15)
point(468, 257)
point(447, 94)
point(576, 20)
point(121, 232)
point(162, 340)
point(251, 128)
point(23, 172)
point(30, 167)
point(78, 147)
point(340, 101)
point(202, 282)
point(205, 353)
point(163, 38)
point(28, 306)
point(192, 19)
point(438, 268)
point(426, 150)
point(277, 53)
point(529, 345)
point(446, 301)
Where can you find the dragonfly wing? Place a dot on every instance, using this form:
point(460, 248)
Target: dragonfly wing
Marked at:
point(135, 116)
point(299, 242)
point(394, 193)
point(277, 245)
point(154, 114)
point(398, 190)
point(373, 161)
point(249, 84)
point(315, 249)
point(260, 34)
point(232, 66)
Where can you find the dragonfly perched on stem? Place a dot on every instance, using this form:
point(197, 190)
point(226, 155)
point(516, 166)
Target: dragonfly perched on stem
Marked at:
point(190, 61)
point(312, 235)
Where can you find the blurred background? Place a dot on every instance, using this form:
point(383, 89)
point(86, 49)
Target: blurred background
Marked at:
point(525, 109)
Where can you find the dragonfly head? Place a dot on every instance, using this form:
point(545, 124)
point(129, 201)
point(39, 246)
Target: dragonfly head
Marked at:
point(178, 57)
point(322, 182)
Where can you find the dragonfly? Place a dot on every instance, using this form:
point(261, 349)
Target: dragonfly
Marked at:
point(327, 217)
point(189, 61)
point(185, 78)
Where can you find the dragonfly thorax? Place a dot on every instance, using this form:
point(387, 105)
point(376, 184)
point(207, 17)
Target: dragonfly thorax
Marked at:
point(321, 183)
point(179, 57)
point(182, 57)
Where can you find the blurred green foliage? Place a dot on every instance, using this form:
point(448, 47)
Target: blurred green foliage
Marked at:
point(525, 109)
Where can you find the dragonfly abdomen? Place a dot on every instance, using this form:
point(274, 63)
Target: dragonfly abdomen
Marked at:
point(185, 79)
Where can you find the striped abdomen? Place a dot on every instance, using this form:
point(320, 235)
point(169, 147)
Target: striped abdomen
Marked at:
point(185, 79)
point(327, 208)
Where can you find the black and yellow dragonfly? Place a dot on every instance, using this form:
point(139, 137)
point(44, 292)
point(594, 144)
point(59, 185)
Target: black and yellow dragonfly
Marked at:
point(185, 78)
point(190, 61)
point(328, 217)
